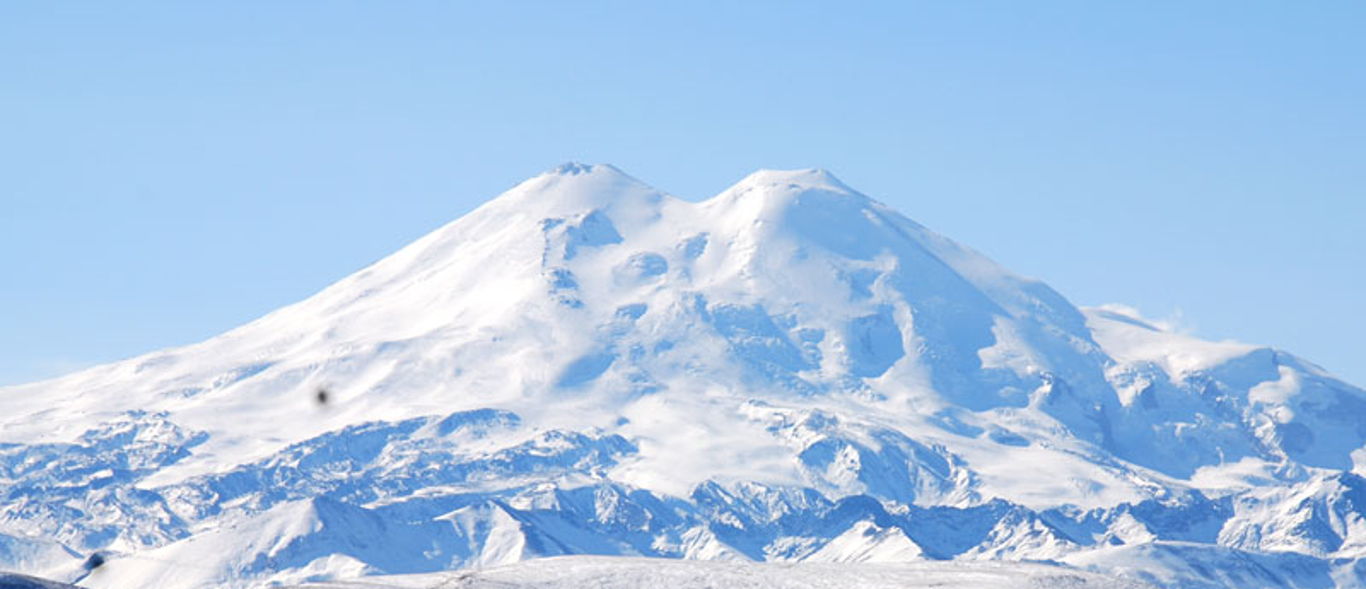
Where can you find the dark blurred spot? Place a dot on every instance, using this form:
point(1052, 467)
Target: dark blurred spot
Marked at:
point(322, 396)
point(95, 561)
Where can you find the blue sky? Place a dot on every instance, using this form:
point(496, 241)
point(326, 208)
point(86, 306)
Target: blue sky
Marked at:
point(170, 170)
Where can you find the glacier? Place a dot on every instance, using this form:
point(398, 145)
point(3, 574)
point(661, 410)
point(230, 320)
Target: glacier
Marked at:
point(789, 371)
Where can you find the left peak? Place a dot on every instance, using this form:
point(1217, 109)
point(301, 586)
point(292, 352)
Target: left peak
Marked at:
point(575, 187)
point(576, 168)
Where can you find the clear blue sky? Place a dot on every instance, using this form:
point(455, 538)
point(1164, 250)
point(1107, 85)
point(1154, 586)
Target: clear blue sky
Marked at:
point(171, 170)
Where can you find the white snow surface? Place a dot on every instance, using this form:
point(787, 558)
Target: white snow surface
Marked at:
point(578, 572)
point(787, 371)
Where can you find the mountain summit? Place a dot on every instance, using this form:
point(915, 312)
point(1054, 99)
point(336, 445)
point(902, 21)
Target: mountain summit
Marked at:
point(789, 370)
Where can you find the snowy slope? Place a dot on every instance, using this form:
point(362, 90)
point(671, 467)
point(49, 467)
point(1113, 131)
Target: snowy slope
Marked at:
point(788, 371)
point(579, 572)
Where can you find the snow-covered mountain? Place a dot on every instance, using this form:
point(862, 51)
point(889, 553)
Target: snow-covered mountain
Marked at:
point(788, 371)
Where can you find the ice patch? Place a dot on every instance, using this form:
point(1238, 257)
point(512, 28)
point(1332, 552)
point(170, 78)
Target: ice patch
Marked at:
point(570, 235)
point(631, 312)
point(640, 267)
point(693, 247)
point(585, 369)
point(874, 344)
